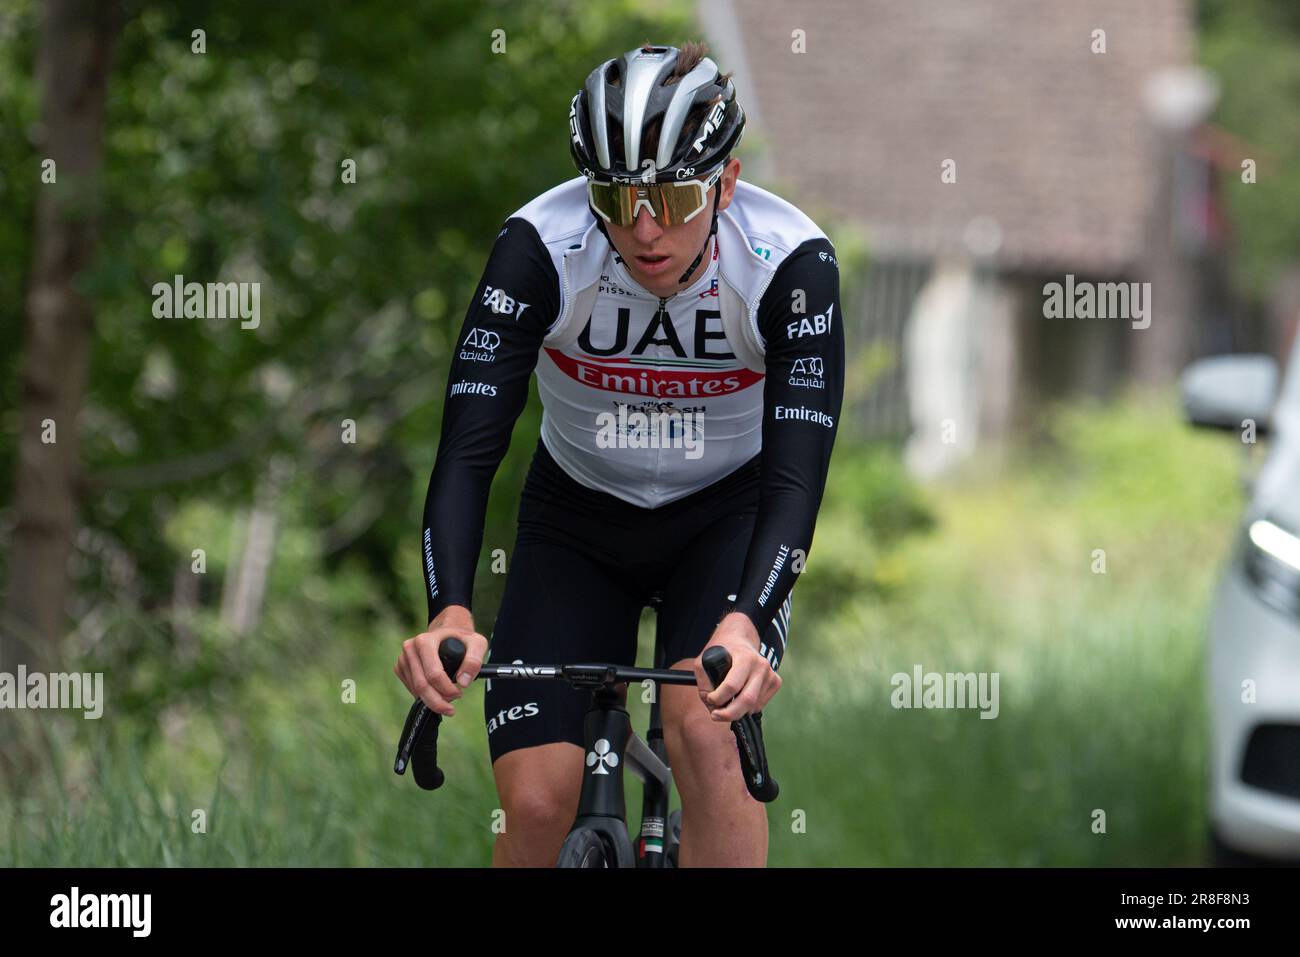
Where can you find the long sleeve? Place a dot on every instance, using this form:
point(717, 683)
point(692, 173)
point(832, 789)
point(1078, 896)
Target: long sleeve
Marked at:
point(799, 317)
point(516, 301)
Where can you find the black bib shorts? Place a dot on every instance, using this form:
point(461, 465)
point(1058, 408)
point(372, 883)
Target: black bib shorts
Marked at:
point(584, 566)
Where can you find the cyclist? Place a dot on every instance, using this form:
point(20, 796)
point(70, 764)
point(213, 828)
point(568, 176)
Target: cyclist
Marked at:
point(685, 331)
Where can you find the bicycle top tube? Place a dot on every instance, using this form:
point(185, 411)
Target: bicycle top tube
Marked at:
point(589, 674)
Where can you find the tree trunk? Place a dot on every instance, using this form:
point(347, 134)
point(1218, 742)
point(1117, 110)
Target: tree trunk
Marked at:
point(250, 563)
point(72, 67)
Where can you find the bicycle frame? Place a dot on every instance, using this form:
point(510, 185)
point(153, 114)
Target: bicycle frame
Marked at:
point(602, 805)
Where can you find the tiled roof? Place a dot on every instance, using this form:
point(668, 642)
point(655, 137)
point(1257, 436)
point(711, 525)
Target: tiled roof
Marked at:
point(1050, 139)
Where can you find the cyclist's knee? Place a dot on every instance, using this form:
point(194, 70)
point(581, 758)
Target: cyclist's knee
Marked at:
point(534, 809)
point(697, 745)
point(539, 788)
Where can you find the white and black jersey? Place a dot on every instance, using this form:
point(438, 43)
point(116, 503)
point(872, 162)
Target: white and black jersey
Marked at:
point(647, 400)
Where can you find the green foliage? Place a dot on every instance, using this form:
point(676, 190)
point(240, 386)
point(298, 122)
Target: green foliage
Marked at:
point(869, 506)
point(19, 179)
point(228, 165)
point(1254, 48)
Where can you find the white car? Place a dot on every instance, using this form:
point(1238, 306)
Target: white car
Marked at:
point(1254, 637)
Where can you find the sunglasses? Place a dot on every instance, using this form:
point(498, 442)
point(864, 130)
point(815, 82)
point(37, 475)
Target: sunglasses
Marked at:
point(671, 203)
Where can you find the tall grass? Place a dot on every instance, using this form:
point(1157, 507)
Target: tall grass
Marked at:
point(1097, 756)
point(1100, 679)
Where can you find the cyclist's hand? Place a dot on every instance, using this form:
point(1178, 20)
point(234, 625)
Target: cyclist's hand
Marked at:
point(751, 682)
point(421, 671)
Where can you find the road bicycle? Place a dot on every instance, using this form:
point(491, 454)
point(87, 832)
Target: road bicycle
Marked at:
point(599, 835)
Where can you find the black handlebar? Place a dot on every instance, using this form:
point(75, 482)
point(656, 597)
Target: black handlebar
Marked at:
point(748, 731)
point(419, 742)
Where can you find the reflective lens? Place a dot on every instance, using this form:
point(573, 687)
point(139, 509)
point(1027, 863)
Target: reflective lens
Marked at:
point(670, 203)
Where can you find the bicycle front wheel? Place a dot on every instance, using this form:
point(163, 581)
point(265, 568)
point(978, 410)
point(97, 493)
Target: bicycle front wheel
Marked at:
point(585, 848)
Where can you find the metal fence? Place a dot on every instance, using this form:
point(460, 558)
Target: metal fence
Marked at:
point(879, 303)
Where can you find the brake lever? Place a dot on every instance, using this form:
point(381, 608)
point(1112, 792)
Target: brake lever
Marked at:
point(748, 731)
point(418, 745)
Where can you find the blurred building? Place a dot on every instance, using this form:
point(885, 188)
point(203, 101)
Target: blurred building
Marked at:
point(1073, 135)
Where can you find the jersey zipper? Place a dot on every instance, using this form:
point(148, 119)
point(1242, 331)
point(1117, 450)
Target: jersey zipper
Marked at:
point(751, 312)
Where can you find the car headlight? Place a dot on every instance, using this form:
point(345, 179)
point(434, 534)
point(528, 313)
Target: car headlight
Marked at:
point(1272, 556)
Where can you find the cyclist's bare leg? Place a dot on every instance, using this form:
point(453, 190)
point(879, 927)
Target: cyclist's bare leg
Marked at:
point(722, 826)
point(539, 790)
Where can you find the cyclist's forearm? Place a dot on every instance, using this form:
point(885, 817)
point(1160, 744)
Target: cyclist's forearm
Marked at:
point(476, 434)
point(778, 550)
point(487, 388)
point(802, 395)
point(452, 534)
